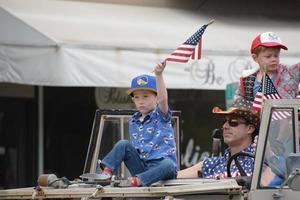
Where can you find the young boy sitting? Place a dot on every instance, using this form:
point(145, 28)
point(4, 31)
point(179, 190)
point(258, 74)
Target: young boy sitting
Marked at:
point(265, 51)
point(150, 155)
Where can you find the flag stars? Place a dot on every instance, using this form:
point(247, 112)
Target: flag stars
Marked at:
point(187, 49)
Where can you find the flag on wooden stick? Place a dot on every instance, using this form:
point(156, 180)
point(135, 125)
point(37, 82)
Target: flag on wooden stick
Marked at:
point(267, 90)
point(188, 48)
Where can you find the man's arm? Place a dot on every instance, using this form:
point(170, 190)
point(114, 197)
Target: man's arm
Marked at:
point(267, 176)
point(191, 172)
point(162, 94)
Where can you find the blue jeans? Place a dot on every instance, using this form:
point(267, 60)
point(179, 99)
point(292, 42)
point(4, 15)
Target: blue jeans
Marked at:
point(147, 171)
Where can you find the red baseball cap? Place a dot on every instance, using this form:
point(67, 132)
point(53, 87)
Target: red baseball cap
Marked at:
point(267, 39)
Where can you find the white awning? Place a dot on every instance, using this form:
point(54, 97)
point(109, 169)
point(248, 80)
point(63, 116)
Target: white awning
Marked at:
point(63, 43)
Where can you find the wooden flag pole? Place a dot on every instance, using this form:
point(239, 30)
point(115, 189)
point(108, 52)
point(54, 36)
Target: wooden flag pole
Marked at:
point(210, 22)
point(263, 88)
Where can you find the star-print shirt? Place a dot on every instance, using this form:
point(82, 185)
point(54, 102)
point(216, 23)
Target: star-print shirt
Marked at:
point(215, 167)
point(154, 136)
point(286, 81)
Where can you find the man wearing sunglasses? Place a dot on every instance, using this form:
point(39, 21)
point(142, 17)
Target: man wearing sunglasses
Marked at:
point(240, 125)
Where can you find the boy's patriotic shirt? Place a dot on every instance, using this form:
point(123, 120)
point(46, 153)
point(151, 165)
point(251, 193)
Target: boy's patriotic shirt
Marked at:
point(216, 167)
point(154, 137)
point(286, 82)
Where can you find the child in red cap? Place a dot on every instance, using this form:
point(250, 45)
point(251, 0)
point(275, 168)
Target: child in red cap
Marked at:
point(150, 154)
point(265, 50)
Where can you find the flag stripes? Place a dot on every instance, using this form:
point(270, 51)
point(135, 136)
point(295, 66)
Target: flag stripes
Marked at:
point(190, 48)
point(270, 92)
point(197, 52)
point(278, 115)
point(258, 100)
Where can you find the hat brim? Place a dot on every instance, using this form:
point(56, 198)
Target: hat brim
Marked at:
point(131, 90)
point(230, 110)
point(274, 44)
point(250, 116)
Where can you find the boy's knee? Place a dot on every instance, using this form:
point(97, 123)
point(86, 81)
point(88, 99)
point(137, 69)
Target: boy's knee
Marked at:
point(123, 143)
point(168, 164)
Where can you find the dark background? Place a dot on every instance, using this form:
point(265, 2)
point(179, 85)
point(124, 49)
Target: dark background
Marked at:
point(68, 119)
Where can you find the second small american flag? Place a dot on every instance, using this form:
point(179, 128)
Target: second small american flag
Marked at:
point(188, 48)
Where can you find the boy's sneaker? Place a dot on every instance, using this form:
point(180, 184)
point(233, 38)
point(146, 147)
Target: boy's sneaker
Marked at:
point(104, 176)
point(129, 182)
point(95, 177)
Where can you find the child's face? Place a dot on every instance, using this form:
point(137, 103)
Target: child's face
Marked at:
point(144, 100)
point(268, 59)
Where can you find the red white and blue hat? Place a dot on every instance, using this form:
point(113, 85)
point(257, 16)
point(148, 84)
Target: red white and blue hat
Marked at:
point(267, 39)
point(243, 108)
point(142, 82)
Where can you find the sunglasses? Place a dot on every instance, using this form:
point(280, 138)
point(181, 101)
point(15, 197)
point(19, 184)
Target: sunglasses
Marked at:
point(233, 122)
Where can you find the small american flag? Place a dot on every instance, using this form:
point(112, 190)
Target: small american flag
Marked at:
point(188, 48)
point(270, 92)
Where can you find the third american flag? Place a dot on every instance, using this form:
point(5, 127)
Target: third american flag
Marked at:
point(270, 92)
point(188, 48)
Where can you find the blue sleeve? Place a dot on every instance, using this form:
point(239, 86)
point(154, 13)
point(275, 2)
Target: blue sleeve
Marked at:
point(165, 116)
point(276, 181)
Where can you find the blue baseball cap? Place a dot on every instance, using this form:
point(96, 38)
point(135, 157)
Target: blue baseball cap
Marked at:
point(142, 82)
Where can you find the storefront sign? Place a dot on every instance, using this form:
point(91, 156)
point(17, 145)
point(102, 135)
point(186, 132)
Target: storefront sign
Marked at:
point(113, 98)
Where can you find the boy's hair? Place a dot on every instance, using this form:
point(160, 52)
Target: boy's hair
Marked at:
point(260, 49)
point(267, 39)
point(142, 82)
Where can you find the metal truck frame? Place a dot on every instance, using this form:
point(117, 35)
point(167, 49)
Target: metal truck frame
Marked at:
point(277, 153)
